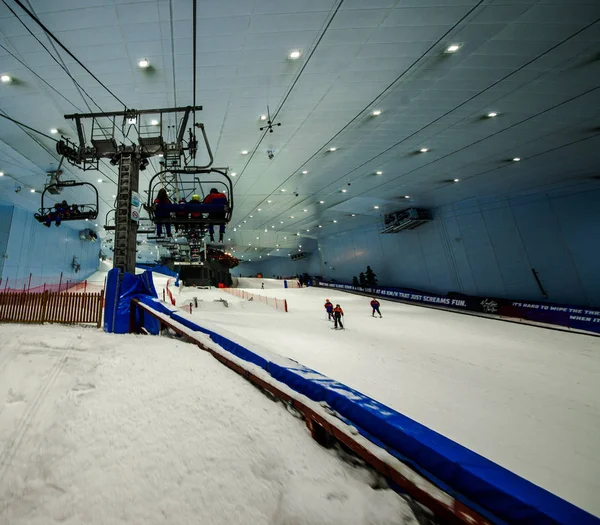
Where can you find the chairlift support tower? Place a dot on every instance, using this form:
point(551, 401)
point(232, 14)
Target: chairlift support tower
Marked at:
point(130, 158)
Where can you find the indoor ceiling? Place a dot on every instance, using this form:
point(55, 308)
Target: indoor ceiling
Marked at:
point(376, 79)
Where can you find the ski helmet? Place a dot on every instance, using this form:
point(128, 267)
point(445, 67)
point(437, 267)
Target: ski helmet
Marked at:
point(195, 197)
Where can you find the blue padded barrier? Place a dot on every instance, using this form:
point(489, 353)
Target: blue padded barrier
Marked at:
point(119, 293)
point(495, 492)
point(231, 346)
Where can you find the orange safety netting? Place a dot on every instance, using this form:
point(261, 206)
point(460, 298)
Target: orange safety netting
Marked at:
point(279, 304)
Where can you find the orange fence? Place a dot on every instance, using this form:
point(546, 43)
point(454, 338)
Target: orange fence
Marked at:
point(279, 304)
point(51, 307)
point(35, 284)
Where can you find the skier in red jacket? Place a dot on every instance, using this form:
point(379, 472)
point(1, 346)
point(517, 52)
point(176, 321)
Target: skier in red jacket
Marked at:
point(375, 306)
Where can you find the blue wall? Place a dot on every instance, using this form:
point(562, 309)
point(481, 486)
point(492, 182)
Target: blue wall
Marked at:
point(43, 252)
point(282, 266)
point(5, 222)
point(487, 247)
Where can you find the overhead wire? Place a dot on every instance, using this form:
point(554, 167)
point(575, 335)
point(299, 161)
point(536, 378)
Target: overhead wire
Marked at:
point(296, 79)
point(49, 33)
point(439, 118)
point(382, 93)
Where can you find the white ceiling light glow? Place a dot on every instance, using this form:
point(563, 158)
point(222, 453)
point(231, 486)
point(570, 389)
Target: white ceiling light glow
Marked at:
point(154, 122)
point(54, 131)
point(321, 202)
point(294, 54)
point(492, 114)
point(376, 207)
point(379, 172)
point(263, 117)
point(245, 152)
point(344, 191)
point(456, 180)
point(407, 196)
point(144, 63)
point(516, 159)
point(332, 149)
point(304, 172)
point(5, 78)
point(453, 48)
point(424, 150)
point(376, 112)
point(233, 173)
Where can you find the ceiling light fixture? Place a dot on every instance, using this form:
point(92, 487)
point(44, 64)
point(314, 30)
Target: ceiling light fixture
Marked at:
point(114, 196)
point(251, 216)
point(376, 112)
point(344, 191)
point(516, 159)
point(233, 173)
point(304, 172)
point(456, 180)
point(320, 226)
point(453, 48)
point(321, 202)
point(376, 207)
point(304, 211)
point(54, 131)
point(379, 172)
point(154, 122)
point(5, 78)
point(354, 215)
point(144, 63)
point(282, 189)
point(1, 174)
point(161, 155)
point(407, 196)
point(245, 152)
point(263, 117)
point(32, 190)
point(334, 221)
point(294, 55)
point(269, 202)
point(332, 149)
point(99, 180)
point(424, 150)
point(259, 209)
point(492, 114)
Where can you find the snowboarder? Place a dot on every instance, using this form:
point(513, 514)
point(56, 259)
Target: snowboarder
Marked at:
point(329, 309)
point(338, 313)
point(375, 306)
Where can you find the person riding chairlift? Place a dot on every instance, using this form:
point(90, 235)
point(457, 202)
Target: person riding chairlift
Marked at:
point(216, 197)
point(161, 200)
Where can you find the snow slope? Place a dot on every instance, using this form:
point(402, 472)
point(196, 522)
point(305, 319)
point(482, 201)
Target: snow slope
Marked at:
point(98, 428)
point(525, 397)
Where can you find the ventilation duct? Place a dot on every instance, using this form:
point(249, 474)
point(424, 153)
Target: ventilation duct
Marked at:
point(404, 220)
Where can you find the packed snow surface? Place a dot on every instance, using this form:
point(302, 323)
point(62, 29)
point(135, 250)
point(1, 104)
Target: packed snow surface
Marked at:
point(120, 429)
point(525, 397)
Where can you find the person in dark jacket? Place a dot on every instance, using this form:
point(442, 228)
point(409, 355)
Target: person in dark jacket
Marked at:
point(338, 313)
point(329, 308)
point(161, 200)
point(216, 197)
point(375, 306)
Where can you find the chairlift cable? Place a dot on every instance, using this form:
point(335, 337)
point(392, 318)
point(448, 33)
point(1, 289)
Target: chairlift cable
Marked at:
point(78, 86)
point(49, 33)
